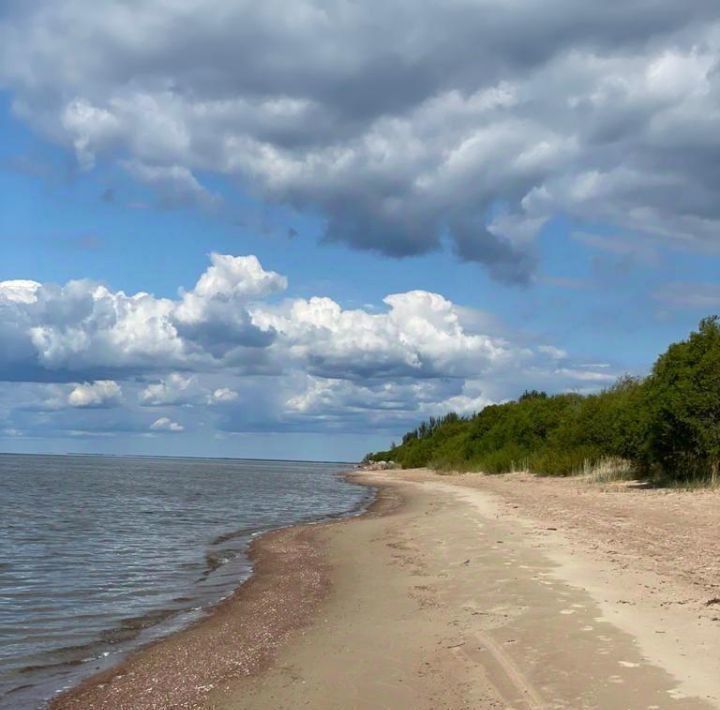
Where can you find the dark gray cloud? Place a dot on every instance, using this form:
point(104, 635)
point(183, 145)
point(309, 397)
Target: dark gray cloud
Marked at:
point(402, 124)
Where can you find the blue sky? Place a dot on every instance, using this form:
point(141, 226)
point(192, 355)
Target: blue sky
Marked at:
point(549, 218)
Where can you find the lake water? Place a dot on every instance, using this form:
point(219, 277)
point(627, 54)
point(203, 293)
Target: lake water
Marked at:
point(100, 554)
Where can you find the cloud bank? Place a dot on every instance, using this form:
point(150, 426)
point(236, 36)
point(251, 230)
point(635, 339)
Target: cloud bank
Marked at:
point(241, 355)
point(403, 125)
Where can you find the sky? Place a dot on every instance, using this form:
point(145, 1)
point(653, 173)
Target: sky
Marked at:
point(296, 229)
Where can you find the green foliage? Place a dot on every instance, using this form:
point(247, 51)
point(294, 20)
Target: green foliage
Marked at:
point(683, 402)
point(667, 425)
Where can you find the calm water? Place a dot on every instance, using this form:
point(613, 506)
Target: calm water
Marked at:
point(100, 554)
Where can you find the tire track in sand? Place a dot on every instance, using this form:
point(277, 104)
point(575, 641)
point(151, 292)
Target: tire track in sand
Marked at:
point(505, 668)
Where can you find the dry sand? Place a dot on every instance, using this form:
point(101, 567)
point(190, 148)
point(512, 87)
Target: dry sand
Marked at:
point(460, 592)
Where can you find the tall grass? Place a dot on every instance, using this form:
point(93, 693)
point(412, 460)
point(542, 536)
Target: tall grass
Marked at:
point(609, 470)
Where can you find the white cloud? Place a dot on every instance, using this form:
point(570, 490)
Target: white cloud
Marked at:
point(56, 397)
point(587, 375)
point(420, 335)
point(102, 393)
point(553, 352)
point(226, 320)
point(241, 277)
point(83, 324)
point(19, 291)
point(225, 287)
point(222, 395)
point(166, 424)
point(247, 361)
point(84, 327)
point(174, 389)
point(601, 113)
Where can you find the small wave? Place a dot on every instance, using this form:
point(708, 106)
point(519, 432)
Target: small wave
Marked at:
point(216, 559)
point(55, 664)
point(242, 532)
point(131, 627)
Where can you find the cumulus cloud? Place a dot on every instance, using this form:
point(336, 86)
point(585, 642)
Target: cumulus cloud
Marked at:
point(227, 320)
point(176, 388)
point(102, 393)
point(214, 313)
point(249, 358)
point(84, 327)
point(378, 402)
point(230, 322)
point(166, 424)
point(420, 335)
point(222, 395)
point(397, 134)
point(19, 291)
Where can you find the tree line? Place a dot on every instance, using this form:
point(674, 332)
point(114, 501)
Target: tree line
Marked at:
point(664, 426)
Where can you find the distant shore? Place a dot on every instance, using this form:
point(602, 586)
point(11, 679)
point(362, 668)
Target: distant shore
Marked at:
point(457, 592)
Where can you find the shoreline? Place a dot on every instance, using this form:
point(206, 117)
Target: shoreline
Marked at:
point(477, 594)
point(275, 555)
point(457, 592)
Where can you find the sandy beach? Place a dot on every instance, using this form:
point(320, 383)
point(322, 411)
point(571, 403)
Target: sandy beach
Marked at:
point(458, 592)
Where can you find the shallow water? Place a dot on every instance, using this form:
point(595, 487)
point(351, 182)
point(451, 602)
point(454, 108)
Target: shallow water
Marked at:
point(100, 554)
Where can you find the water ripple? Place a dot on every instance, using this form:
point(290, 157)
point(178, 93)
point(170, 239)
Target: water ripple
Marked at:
point(98, 554)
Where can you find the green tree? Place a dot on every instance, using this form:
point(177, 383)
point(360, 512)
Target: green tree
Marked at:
point(683, 400)
point(668, 423)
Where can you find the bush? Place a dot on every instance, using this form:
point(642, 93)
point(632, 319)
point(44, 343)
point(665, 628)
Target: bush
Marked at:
point(683, 405)
point(667, 425)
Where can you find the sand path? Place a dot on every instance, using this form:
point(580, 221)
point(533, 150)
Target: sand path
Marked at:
point(456, 600)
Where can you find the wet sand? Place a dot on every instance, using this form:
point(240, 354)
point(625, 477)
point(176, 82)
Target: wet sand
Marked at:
point(455, 592)
point(239, 638)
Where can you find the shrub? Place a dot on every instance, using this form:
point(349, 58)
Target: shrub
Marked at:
point(666, 425)
point(683, 406)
